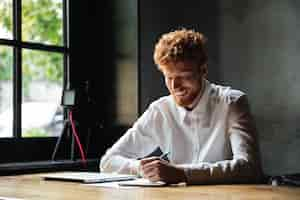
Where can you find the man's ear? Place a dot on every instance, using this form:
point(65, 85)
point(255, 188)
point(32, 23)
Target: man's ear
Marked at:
point(204, 70)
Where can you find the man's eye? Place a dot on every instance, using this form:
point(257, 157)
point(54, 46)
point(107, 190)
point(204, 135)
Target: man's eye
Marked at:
point(188, 77)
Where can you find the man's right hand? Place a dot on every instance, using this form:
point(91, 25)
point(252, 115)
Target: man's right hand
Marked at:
point(156, 169)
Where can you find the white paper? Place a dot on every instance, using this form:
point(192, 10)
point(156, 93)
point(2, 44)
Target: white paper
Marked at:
point(9, 198)
point(142, 182)
point(109, 185)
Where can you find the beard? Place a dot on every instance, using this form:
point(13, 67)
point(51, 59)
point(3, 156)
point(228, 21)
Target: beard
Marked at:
point(186, 99)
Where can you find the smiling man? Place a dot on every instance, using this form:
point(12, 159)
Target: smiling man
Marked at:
point(207, 128)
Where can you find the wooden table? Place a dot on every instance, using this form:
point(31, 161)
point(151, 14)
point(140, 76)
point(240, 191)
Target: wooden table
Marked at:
point(33, 187)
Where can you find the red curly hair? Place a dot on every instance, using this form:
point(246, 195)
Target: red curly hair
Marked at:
point(180, 45)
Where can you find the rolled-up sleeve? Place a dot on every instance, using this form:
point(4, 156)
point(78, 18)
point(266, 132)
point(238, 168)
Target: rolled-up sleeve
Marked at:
point(244, 167)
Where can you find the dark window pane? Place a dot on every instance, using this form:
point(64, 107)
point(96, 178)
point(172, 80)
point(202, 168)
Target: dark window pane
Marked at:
point(6, 19)
point(42, 74)
point(125, 21)
point(42, 21)
point(6, 91)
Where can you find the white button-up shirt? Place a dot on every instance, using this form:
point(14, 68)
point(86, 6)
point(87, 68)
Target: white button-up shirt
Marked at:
point(214, 143)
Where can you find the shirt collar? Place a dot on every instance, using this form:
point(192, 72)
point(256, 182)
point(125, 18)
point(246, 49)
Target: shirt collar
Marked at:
point(200, 101)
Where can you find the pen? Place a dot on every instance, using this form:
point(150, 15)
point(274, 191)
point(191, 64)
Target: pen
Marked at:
point(164, 156)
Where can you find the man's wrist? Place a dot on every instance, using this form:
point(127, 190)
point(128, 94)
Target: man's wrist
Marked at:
point(183, 174)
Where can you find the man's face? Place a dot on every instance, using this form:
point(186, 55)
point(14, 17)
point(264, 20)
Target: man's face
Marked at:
point(183, 80)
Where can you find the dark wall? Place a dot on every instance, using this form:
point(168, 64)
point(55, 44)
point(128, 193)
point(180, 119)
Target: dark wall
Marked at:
point(92, 72)
point(157, 17)
point(254, 46)
point(259, 53)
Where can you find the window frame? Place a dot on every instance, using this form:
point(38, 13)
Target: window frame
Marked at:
point(31, 149)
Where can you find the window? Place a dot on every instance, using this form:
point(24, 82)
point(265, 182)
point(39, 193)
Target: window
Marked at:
point(33, 58)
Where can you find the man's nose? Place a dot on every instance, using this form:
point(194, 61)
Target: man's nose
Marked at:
point(175, 83)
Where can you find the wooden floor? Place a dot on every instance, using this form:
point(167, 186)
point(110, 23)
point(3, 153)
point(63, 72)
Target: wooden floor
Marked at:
point(33, 187)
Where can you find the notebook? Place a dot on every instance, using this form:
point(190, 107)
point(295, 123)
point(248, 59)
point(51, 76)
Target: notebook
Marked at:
point(87, 177)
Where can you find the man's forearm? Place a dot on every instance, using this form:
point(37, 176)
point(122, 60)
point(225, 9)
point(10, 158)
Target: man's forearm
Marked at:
point(228, 171)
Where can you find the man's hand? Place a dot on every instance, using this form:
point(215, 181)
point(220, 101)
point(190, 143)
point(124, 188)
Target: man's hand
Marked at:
point(156, 169)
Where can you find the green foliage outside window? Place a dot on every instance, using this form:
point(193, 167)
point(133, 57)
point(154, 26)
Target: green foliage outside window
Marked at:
point(5, 63)
point(35, 132)
point(41, 23)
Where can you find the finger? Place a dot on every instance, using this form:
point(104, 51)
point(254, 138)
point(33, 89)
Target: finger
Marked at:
point(147, 160)
point(150, 167)
point(157, 164)
point(142, 164)
point(152, 175)
point(164, 161)
point(146, 169)
point(150, 170)
point(154, 178)
point(149, 175)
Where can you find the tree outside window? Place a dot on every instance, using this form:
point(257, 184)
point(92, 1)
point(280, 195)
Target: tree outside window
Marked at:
point(42, 70)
